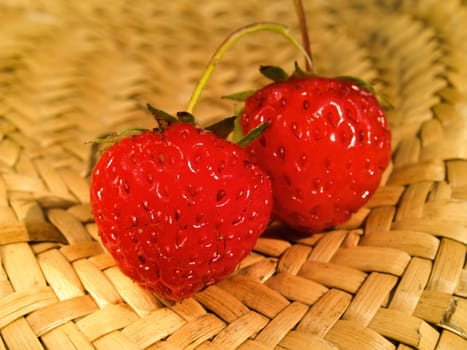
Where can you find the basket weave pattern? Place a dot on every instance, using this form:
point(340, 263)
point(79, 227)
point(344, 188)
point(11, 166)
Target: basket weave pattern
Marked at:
point(392, 277)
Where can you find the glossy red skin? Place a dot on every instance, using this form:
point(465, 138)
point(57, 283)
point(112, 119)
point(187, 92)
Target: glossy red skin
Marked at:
point(325, 150)
point(179, 210)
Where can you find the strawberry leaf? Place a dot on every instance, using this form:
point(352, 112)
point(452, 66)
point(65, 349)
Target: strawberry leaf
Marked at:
point(252, 135)
point(276, 74)
point(222, 128)
point(367, 86)
point(237, 131)
point(186, 117)
point(300, 73)
point(163, 119)
point(239, 96)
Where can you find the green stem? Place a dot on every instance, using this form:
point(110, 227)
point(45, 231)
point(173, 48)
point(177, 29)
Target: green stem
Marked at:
point(304, 30)
point(232, 39)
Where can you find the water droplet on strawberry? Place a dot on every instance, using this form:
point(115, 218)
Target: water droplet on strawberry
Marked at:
point(365, 194)
point(238, 220)
point(162, 191)
point(181, 239)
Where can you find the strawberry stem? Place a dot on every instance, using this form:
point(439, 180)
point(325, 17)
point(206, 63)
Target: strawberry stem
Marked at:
point(304, 30)
point(232, 39)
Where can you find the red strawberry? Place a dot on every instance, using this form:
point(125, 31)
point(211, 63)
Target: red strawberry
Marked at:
point(179, 209)
point(325, 150)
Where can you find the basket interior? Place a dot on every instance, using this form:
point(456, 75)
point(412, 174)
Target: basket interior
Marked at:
point(392, 277)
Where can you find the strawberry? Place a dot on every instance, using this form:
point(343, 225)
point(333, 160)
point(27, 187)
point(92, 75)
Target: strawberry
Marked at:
point(325, 150)
point(178, 209)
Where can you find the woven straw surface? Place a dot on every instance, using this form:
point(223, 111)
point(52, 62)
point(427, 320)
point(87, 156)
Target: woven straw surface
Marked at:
point(393, 277)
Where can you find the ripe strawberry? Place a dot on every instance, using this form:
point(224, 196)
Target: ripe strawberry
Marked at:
point(325, 150)
point(179, 209)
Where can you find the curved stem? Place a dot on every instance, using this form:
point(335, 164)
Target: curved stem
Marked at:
point(232, 39)
point(304, 30)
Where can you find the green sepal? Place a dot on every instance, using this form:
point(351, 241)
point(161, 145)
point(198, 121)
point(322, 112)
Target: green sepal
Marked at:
point(222, 128)
point(276, 74)
point(386, 102)
point(237, 134)
point(163, 119)
point(111, 138)
point(239, 96)
point(253, 135)
point(186, 117)
point(300, 73)
point(105, 141)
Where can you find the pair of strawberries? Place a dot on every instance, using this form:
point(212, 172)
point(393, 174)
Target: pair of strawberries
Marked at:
point(179, 207)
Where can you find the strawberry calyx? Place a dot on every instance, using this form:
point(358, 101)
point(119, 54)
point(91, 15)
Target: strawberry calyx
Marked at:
point(274, 73)
point(222, 128)
point(277, 74)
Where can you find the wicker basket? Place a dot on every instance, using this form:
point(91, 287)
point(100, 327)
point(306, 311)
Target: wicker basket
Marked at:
point(393, 277)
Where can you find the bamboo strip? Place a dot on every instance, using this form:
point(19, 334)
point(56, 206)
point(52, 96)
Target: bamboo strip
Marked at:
point(195, 332)
point(293, 259)
point(327, 246)
point(405, 329)
point(18, 304)
point(418, 244)
point(296, 288)
point(18, 335)
point(333, 275)
point(317, 321)
point(285, 321)
point(67, 336)
point(153, 327)
point(43, 320)
point(378, 259)
point(411, 286)
point(393, 276)
point(303, 340)
point(95, 283)
point(447, 266)
point(14, 257)
point(369, 298)
point(255, 295)
point(60, 275)
point(350, 335)
point(140, 300)
point(240, 330)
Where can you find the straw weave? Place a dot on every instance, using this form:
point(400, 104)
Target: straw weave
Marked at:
point(393, 277)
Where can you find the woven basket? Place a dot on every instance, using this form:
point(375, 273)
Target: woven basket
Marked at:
point(393, 277)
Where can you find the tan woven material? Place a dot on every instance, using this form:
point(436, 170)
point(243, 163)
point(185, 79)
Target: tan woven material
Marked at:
point(393, 277)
